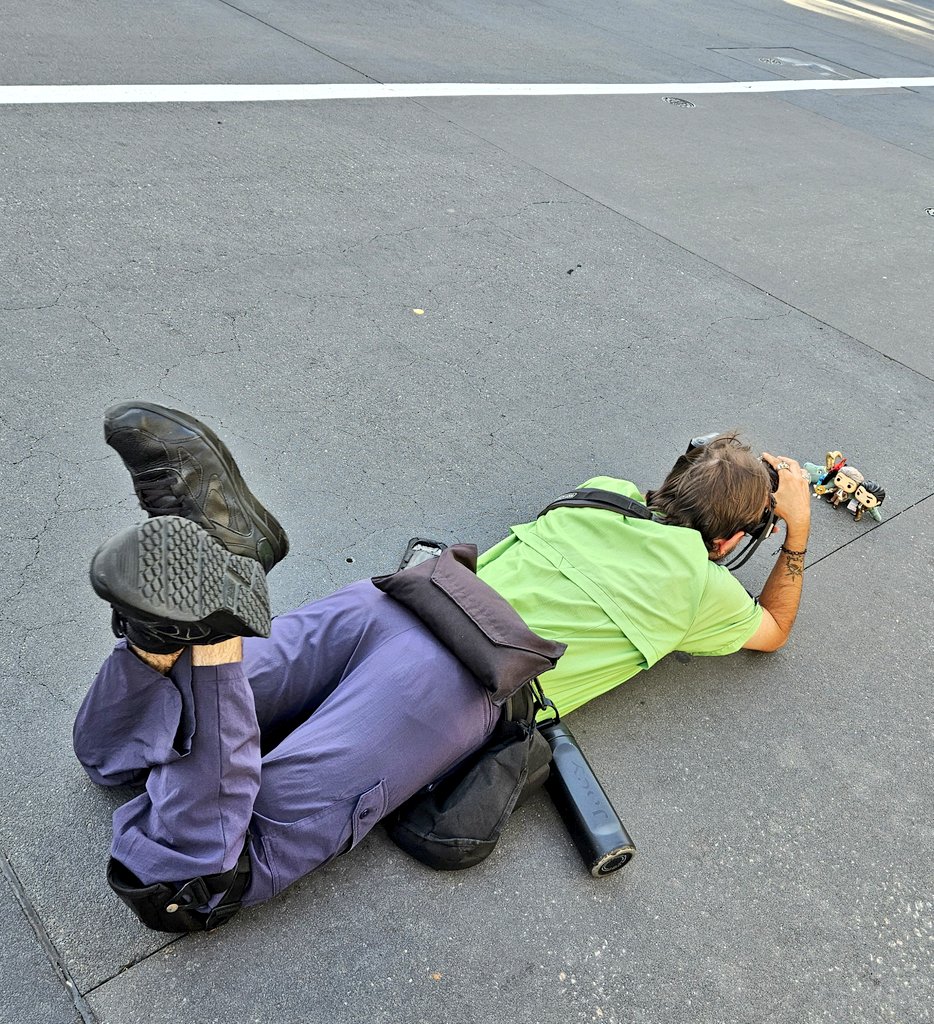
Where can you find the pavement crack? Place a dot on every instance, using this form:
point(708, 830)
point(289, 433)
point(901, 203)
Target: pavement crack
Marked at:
point(494, 219)
point(36, 539)
point(33, 306)
point(772, 316)
point(166, 373)
point(34, 454)
point(225, 261)
point(130, 964)
point(28, 633)
point(495, 439)
point(24, 572)
point(104, 334)
point(326, 568)
point(380, 236)
point(234, 317)
point(748, 319)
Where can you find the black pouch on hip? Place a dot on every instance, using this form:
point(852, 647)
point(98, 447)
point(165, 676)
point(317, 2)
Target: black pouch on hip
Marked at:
point(480, 628)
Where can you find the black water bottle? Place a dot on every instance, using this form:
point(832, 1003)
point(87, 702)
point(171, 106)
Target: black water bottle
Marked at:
point(591, 819)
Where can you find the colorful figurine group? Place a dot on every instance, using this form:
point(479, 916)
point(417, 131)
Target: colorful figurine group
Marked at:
point(842, 483)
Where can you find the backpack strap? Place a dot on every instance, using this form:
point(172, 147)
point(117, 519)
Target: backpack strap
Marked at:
point(594, 497)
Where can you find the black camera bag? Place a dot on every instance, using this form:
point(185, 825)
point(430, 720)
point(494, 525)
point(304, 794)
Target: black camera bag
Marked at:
point(456, 822)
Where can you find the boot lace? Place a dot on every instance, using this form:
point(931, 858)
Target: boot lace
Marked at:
point(159, 496)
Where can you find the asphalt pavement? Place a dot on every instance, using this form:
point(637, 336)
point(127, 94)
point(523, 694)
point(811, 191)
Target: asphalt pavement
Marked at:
point(430, 317)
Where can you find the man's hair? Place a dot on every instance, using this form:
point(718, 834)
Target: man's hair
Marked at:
point(716, 489)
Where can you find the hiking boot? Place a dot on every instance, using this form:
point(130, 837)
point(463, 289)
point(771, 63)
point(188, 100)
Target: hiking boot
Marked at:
point(172, 585)
point(180, 467)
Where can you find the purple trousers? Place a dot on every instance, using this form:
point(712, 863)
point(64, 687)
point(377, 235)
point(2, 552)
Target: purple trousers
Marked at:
point(348, 709)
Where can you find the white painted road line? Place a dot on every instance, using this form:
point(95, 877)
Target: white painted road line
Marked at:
point(54, 94)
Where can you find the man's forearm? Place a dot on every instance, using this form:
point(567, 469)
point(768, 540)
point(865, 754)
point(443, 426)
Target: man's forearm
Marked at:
point(781, 594)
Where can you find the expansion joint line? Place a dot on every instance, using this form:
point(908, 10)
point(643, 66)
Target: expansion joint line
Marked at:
point(867, 533)
point(35, 922)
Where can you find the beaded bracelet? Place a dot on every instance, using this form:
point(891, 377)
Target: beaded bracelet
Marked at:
point(787, 552)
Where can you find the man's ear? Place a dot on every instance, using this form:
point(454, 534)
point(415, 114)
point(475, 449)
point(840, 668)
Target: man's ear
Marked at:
point(723, 547)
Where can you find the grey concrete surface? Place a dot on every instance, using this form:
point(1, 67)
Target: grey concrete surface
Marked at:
point(752, 261)
point(32, 992)
point(46, 43)
point(855, 254)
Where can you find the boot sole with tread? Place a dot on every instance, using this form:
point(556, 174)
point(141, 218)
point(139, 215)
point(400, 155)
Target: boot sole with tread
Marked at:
point(169, 570)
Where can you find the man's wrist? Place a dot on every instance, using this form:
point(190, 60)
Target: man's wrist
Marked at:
point(796, 537)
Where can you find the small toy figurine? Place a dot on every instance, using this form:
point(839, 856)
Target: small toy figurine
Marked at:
point(868, 497)
point(845, 483)
point(842, 483)
point(822, 478)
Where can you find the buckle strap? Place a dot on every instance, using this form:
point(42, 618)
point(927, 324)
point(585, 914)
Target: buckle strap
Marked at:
point(174, 906)
point(198, 891)
point(232, 898)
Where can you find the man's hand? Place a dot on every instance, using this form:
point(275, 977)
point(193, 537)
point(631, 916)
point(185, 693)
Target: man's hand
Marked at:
point(782, 592)
point(793, 497)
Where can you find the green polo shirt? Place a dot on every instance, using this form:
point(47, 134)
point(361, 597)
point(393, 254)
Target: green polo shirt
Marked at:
point(620, 592)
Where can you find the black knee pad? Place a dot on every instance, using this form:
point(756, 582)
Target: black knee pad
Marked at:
point(173, 906)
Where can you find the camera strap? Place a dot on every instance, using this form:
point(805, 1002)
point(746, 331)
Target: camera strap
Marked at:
point(594, 497)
